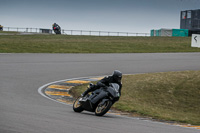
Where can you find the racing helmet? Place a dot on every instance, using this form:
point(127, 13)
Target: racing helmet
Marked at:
point(117, 76)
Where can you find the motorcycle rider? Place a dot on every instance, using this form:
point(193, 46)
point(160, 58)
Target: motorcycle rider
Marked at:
point(115, 78)
point(1, 27)
point(56, 28)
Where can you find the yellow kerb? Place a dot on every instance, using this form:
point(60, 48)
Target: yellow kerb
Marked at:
point(78, 81)
point(57, 93)
point(60, 87)
point(99, 78)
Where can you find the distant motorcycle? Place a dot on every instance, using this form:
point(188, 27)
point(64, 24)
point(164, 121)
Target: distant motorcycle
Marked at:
point(100, 101)
point(1, 28)
point(56, 28)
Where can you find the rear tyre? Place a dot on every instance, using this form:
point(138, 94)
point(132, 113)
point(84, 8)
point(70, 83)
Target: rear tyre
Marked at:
point(101, 109)
point(77, 106)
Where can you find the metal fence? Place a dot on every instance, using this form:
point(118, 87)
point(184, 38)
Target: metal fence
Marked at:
point(31, 30)
point(77, 32)
point(102, 33)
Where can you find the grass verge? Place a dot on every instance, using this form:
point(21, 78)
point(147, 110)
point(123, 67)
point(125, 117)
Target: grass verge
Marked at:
point(9, 32)
point(172, 96)
point(93, 44)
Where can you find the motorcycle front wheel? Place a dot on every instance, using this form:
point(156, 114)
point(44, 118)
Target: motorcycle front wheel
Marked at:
point(101, 109)
point(77, 106)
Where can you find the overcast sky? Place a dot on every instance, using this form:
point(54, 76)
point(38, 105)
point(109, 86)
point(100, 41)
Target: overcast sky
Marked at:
point(97, 15)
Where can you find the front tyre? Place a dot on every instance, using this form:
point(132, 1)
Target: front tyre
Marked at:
point(77, 105)
point(101, 109)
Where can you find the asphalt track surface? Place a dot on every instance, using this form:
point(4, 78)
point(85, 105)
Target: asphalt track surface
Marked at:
point(24, 110)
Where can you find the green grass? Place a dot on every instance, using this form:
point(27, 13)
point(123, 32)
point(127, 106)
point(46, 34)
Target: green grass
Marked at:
point(173, 96)
point(9, 32)
point(93, 44)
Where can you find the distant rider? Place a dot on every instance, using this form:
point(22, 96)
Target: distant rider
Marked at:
point(1, 27)
point(115, 78)
point(56, 28)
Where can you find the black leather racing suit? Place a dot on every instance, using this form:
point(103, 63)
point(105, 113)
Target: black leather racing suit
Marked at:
point(103, 83)
point(55, 25)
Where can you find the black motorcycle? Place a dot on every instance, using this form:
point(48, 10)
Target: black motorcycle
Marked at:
point(57, 29)
point(99, 101)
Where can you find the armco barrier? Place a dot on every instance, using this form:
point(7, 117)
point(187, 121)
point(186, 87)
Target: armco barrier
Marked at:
point(76, 32)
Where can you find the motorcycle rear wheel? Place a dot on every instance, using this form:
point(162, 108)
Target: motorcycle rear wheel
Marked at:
point(102, 109)
point(77, 106)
